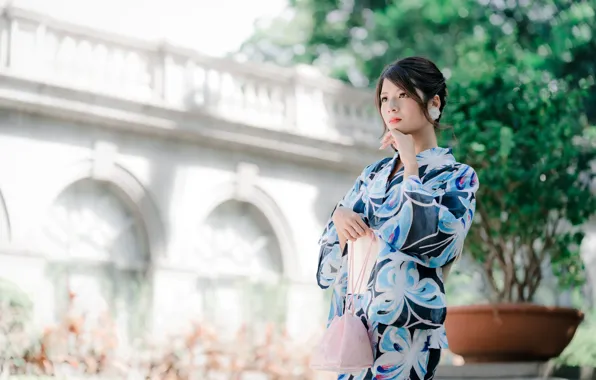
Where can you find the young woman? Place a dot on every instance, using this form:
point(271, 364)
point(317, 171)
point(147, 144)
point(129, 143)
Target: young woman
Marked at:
point(418, 206)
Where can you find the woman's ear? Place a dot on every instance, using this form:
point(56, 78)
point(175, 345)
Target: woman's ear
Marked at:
point(436, 101)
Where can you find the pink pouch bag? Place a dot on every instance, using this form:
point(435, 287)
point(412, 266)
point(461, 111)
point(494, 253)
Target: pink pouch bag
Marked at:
point(345, 346)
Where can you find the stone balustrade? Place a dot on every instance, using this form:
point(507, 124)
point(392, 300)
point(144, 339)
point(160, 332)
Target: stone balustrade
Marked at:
point(296, 100)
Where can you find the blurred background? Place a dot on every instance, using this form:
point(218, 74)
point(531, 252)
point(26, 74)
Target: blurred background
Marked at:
point(167, 168)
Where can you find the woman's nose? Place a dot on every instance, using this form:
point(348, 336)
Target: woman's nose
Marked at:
point(392, 104)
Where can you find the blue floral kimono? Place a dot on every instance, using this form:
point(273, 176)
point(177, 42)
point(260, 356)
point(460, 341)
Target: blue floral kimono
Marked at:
point(421, 223)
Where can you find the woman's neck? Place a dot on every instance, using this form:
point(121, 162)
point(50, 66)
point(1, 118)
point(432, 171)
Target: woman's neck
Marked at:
point(425, 139)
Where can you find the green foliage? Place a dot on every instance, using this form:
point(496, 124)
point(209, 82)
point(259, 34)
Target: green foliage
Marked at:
point(14, 301)
point(520, 76)
point(15, 314)
point(581, 352)
point(354, 40)
point(521, 128)
point(463, 287)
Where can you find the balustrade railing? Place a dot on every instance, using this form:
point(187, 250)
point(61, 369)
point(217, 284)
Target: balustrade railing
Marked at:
point(296, 100)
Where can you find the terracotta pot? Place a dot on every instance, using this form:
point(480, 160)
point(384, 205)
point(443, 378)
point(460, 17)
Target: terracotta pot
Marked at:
point(510, 332)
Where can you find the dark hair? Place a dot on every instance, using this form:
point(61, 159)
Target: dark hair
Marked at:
point(414, 73)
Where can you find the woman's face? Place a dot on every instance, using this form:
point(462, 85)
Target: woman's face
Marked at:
point(401, 112)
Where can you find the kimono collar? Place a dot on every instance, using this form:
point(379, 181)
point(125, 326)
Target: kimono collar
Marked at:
point(433, 157)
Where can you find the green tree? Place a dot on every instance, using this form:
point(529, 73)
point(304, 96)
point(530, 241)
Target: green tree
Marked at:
point(523, 130)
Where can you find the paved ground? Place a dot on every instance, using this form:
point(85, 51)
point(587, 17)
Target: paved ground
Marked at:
point(514, 371)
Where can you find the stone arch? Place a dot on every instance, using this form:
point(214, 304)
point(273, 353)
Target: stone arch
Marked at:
point(243, 236)
point(269, 208)
point(131, 191)
point(93, 220)
point(241, 243)
point(99, 249)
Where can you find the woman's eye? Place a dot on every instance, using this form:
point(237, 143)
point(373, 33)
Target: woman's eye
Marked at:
point(403, 95)
point(383, 99)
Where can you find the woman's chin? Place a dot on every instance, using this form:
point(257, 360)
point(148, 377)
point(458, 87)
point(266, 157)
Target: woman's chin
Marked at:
point(403, 129)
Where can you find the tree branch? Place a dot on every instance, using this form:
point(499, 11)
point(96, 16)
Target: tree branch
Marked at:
point(498, 250)
point(484, 219)
point(491, 278)
point(549, 239)
point(533, 270)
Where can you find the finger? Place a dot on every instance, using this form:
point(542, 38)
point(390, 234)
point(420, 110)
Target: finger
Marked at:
point(385, 141)
point(348, 236)
point(395, 143)
point(363, 226)
point(357, 227)
point(389, 138)
point(350, 233)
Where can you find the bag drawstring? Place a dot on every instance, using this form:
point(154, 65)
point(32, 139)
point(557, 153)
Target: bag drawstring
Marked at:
point(356, 285)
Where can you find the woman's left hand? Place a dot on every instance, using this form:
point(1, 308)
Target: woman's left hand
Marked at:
point(387, 140)
point(405, 146)
point(407, 151)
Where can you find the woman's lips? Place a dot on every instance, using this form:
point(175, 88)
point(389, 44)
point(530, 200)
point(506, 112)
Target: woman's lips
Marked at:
point(394, 120)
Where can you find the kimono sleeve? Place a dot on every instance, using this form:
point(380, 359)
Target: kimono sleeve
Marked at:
point(431, 227)
point(330, 255)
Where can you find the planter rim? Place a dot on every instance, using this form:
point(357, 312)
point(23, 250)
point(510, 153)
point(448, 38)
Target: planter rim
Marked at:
point(515, 308)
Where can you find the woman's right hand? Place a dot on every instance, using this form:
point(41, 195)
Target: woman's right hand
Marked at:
point(350, 224)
